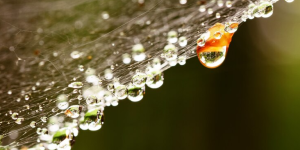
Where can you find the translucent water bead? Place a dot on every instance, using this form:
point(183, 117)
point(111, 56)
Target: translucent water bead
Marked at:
point(62, 139)
point(135, 94)
point(213, 53)
point(138, 52)
point(155, 79)
point(93, 120)
point(139, 79)
point(62, 102)
point(170, 52)
point(74, 111)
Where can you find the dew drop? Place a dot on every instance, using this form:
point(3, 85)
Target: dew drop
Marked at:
point(289, 1)
point(138, 52)
point(76, 54)
point(170, 52)
point(19, 120)
point(182, 41)
point(135, 94)
point(44, 119)
point(15, 116)
point(62, 102)
point(26, 97)
point(155, 79)
point(75, 85)
point(217, 35)
point(139, 79)
point(120, 92)
point(126, 58)
point(266, 9)
point(74, 111)
point(105, 15)
point(108, 74)
point(32, 124)
point(231, 27)
point(228, 3)
point(172, 37)
point(182, 60)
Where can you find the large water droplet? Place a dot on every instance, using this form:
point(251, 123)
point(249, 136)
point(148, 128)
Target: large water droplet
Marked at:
point(212, 59)
point(135, 94)
point(155, 79)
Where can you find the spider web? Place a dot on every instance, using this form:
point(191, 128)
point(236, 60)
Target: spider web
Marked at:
point(37, 38)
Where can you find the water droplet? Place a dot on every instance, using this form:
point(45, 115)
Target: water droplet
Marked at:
point(155, 79)
point(32, 124)
point(266, 9)
point(139, 79)
point(120, 92)
point(217, 35)
point(38, 130)
point(210, 11)
point(212, 59)
point(105, 15)
point(91, 100)
point(76, 85)
point(289, 1)
point(220, 3)
point(231, 27)
point(182, 2)
point(44, 119)
point(172, 37)
point(170, 52)
point(26, 97)
point(202, 8)
point(94, 119)
point(138, 52)
point(182, 41)
point(203, 37)
point(9, 92)
point(73, 111)
point(213, 53)
point(19, 120)
point(108, 74)
point(62, 102)
point(228, 3)
point(126, 58)
point(80, 68)
point(15, 116)
point(76, 54)
point(135, 94)
point(182, 60)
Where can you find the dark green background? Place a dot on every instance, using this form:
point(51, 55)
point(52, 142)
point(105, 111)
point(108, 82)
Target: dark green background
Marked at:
point(251, 102)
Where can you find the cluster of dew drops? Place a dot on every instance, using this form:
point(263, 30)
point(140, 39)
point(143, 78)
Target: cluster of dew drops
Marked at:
point(59, 135)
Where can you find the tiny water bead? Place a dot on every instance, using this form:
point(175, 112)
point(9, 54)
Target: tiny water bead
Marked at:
point(182, 41)
point(62, 102)
point(138, 52)
point(203, 37)
point(172, 37)
point(75, 85)
point(32, 124)
point(212, 54)
point(289, 1)
point(19, 120)
point(74, 111)
point(15, 116)
point(126, 58)
point(76, 54)
point(44, 119)
point(26, 97)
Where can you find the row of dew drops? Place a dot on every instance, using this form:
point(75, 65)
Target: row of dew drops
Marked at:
point(60, 135)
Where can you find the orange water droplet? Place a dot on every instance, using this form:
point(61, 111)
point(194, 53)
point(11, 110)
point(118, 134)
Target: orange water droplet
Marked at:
point(212, 54)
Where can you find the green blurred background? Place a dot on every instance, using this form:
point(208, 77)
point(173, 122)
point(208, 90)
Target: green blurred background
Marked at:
point(251, 102)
